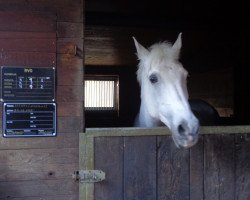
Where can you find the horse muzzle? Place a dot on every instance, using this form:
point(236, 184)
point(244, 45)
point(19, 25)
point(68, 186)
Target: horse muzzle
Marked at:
point(186, 135)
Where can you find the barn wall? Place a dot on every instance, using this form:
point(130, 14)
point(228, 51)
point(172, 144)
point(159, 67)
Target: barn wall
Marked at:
point(41, 168)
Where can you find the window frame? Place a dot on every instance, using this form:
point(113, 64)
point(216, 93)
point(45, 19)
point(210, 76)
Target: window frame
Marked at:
point(108, 111)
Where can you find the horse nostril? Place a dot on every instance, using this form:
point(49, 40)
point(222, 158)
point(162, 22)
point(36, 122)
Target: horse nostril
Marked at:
point(181, 130)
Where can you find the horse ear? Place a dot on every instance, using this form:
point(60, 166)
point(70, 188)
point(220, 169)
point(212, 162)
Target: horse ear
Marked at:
point(177, 46)
point(142, 52)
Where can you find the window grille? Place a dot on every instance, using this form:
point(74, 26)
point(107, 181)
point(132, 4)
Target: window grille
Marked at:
point(101, 93)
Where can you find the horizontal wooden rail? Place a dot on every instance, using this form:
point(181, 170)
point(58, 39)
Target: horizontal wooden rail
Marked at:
point(135, 131)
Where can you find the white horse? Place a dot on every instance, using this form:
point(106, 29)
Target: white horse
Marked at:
point(164, 95)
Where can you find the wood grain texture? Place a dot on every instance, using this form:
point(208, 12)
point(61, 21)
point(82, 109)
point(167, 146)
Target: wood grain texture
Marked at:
point(45, 197)
point(216, 168)
point(70, 93)
point(68, 45)
point(69, 30)
point(114, 46)
point(28, 45)
point(69, 62)
point(41, 168)
point(109, 158)
point(27, 35)
point(242, 174)
point(35, 156)
point(37, 59)
point(219, 168)
point(71, 77)
point(173, 170)
point(68, 109)
point(140, 168)
point(70, 125)
point(20, 189)
point(31, 21)
point(62, 140)
point(37, 172)
point(66, 10)
point(197, 170)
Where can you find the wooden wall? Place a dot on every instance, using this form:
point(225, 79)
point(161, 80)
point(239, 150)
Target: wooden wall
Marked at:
point(42, 168)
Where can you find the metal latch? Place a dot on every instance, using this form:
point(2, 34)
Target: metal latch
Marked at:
point(89, 176)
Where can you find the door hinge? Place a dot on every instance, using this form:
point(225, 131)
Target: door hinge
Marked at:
point(89, 176)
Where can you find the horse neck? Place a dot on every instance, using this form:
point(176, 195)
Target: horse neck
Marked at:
point(144, 119)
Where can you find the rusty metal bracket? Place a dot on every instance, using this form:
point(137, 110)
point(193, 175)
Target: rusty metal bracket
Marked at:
point(89, 176)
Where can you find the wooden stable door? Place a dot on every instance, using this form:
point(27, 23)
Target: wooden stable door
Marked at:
point(144, 164)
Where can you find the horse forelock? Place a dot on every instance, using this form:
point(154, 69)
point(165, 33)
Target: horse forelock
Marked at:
point(163, 50)
point(158, 53)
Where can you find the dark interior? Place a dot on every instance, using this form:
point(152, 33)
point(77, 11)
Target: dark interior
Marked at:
point(215, 40)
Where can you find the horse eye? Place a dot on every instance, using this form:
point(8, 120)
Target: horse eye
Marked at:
point(153, 78)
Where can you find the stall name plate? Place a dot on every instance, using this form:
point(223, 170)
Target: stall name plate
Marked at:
point(29, 119)
point(27, 84)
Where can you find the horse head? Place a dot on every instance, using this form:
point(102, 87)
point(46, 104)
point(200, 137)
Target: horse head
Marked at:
point(164, 94)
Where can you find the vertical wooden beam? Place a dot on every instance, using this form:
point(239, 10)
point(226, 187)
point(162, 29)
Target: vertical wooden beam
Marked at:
point(86, 162)
point(173, 170)
point(242, 157)
point(109, 158)
point(140, 168)
point(197, 171)
point(219, 167)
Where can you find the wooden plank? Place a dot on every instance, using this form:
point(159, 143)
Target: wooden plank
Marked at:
point(108, 58)
point(34, 59)
point(31, 21)
point(136, 131)
point(109, 158)
point(72, 76)
point(62, 140)
point(242, 174)
point(66, 10)
point(69, 45)
point(40, 172)
point(69, 62)
point(70, 93)
point(70, 11)
point(65, 109)
point(114, 45)
point(34, 156)
point(37, 171)
point(197, 171)
point(27, 35)
point(69, 30)
point(109, 51)
point(173, 170)
point(37, 188)
point(45, 197)
point(86, 161)
point(219, 167)
point(140, 168)
point(69, 125)
point(28, 45)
